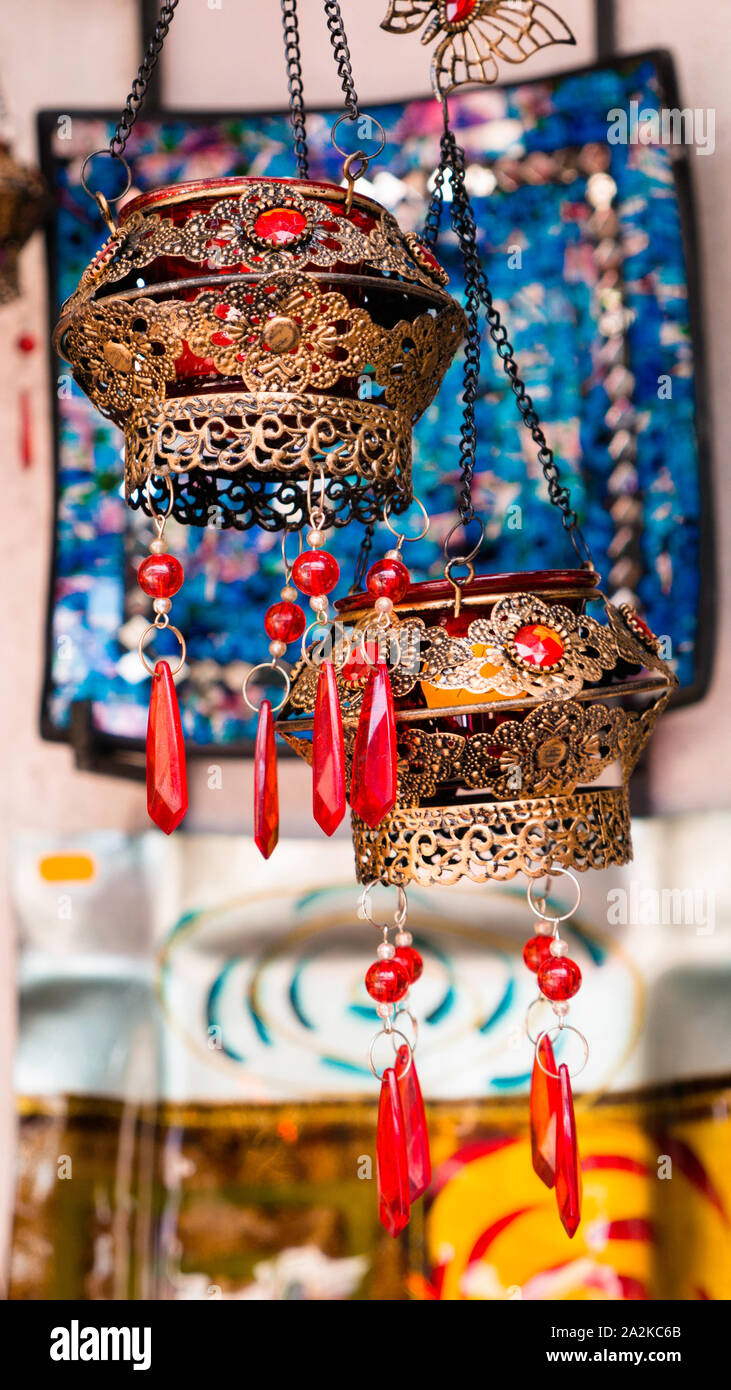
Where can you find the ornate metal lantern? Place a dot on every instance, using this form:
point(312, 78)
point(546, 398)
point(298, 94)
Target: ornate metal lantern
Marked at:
point(513, 703)
point(22, 202)
point(256, 339)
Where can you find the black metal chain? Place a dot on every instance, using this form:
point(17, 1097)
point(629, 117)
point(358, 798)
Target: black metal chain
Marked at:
point(478, 291)
point(361, 564)
point(293, 59)
point(341, 49)
point(118, 142)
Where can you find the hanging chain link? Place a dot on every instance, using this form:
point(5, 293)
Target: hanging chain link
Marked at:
point(477, 292)
point(118, 142)
point(341, 49)
point(293, 59)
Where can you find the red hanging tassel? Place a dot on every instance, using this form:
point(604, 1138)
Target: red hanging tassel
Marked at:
point(545, 1100)
point(328, 753)
point(266, 790)
point(568, 1167)
point(417, 1136)
point(167, 783)
point(373, 783)
point(392, 1157)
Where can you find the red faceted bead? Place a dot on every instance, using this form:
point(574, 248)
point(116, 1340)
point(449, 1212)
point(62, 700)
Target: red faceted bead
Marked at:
point(569, 1187)
point(458, 10)
point(392, 1157)
point(328, 753)
point(559, 978)
point(315, 572)
point(538, 645)
point(280, 226)
point(387, 981)
point(359, 664)
point(167, 782)
point(160, 576)
point(417, 1135)
point(411, 960)
point(266, 789)
point(388, 579)
point(545, 1094)
point(374, 776)
point(536, 950)
point(284, 622)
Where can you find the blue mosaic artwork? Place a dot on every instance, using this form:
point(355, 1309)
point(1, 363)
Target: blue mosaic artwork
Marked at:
point(627, 446)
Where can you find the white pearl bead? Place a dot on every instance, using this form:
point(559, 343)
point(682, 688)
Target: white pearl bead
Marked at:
point(560, 1008)
point(289, 594)
point(404, 938)
point(544, 928)
point(386, 951)
point(162, 605)
point(277, 648)
point(319, 603)
point(315, 539)
point(558, 947)
point(157, 547)
point(384, 1010)
point(384, 605)
point(392, 555)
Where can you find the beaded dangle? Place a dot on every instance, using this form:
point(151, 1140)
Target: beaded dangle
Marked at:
point(402, 1143)
point(284, 623)
point(160, 576)
point(554, 1145)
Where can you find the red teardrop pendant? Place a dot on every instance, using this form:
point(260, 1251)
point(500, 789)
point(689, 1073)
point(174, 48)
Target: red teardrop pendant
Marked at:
point(568, 1166)
point(373, 783)
point(266, 790)
point(167, 783)
point(545, 1100)
point(328, 753)
point(417, 1136)
point(391, 1158)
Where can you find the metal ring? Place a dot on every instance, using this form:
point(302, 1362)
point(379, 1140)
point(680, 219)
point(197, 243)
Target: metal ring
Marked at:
point(267, 666)
point(470, 554)
point(120, 159)
point(160, 478)
point(141, 648)
point(388, 626)
point(390, 1033)
point(401, 1010)
point(321, 622)
point(285, 563)
point(561, 1028)
point(402, 907)
point(564, 915)
point(539, 999)
point(318, 515)
point(362, 115)
point(401, 535)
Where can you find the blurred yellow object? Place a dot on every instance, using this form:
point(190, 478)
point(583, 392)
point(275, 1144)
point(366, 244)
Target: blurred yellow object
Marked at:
point(66, 868)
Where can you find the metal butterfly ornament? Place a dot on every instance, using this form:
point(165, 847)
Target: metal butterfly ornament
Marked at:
point(475, 33)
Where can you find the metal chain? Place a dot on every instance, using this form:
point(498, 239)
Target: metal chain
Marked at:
point(465, 227)
point(341, 49)
point(361, 564)
point(118, 142)
point(293, 58)
point(433, 222)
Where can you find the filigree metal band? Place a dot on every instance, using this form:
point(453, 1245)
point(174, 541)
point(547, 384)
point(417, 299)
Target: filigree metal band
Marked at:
point(496, 840)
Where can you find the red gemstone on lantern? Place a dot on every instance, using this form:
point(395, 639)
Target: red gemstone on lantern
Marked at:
point(457, 10)
point(167, 783)
point(387, 981)
point(646, 631)
point(160, 576)
point(388, 579)
point(373, 780)
point(538, 645)
point(284, 622)
point(358, 667)
point(328, 753)
point(412, 962)
point(559, 978)
point(392, 1157)
point(569, 1187)
point(535, 951)
point(266, 789)
point(417, 1136)
point(545, 1095)
point(280, 226)
point(315, 572)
